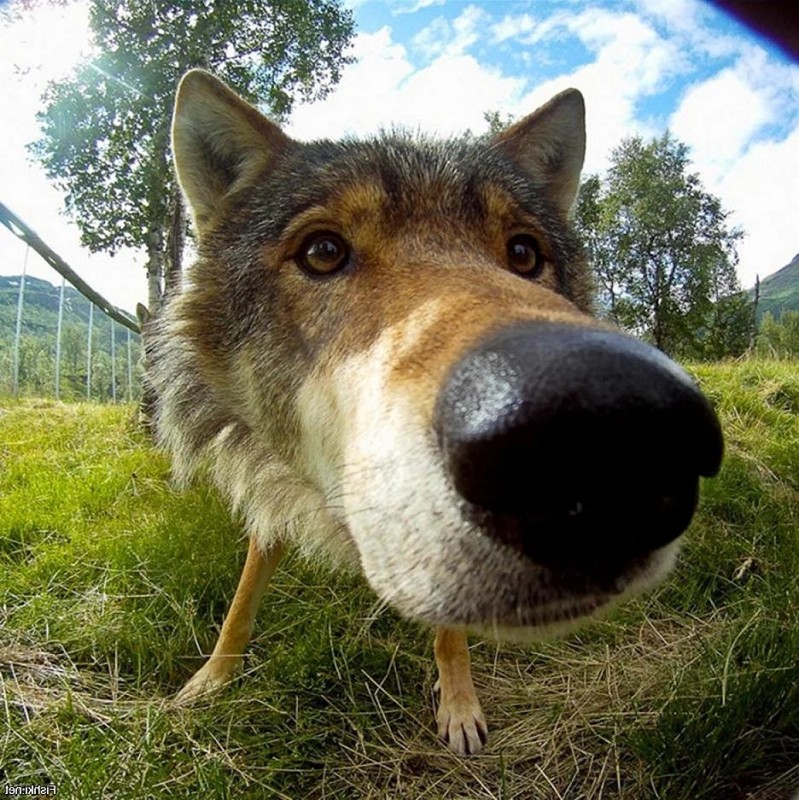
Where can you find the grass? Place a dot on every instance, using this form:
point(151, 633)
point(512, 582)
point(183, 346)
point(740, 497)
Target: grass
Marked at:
point(112, 585)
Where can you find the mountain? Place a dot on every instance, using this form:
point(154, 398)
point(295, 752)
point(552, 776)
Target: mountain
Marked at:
point(40, 309)
point(780, 291)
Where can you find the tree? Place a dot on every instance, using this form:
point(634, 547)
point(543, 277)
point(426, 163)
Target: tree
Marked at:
point(496, 122)
point(779, 338)
point(728, 331)
point(663, 254)
point(105, 132)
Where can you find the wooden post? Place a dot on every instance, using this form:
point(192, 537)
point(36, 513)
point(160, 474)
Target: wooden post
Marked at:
point(18, 332)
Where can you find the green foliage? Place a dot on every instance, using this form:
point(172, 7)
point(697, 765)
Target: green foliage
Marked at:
point(496, 122)
point(662, 252)
point(728, 329)
point(779, 338)
point(112, 585)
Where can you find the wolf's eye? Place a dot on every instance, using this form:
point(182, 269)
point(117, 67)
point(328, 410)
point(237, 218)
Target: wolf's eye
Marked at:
point(524, 255)
point(323, 253)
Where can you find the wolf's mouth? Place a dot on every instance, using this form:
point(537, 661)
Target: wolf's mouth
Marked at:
point(538, 618)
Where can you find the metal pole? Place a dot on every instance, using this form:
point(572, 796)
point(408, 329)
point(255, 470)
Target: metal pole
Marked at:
point(113, 363)
point(18, 333)
point(58, 341)
point(130, 371)
point(89, 353)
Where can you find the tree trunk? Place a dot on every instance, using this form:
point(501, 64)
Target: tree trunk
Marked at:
point(159, 237)
point(155, 268)
point(175, 240)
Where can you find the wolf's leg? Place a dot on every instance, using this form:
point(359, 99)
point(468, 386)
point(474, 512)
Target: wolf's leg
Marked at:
point(237, 627)
point(460, 719)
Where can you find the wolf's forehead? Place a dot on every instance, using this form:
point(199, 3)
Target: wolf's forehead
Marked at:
point(414, 176)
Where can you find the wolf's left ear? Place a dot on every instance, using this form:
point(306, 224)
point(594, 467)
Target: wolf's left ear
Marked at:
point(143, 314)
point(219, 142)
point(549, 145)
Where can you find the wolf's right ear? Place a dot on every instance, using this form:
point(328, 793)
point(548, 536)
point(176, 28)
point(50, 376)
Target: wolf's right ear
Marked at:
point(549, 145)
point(219, 142)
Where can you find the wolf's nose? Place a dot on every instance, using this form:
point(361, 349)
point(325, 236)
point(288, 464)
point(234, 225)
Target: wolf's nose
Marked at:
point(572, 443)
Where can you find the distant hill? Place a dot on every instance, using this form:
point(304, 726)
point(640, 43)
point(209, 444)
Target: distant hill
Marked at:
point(38, 345)
point(40, 310)
point(779, 292)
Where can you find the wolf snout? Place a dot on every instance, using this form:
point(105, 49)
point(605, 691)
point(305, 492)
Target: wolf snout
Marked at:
point(575, 444)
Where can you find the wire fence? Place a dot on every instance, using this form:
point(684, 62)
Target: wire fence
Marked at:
point(52, 340)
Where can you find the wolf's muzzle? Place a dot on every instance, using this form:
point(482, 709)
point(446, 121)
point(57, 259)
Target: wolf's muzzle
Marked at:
point(575, 445)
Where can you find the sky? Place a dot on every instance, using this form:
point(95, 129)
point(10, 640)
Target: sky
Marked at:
point(439, 65)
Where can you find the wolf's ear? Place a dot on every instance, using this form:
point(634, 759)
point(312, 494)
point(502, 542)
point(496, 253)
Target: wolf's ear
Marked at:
point(549, 144)
point(219, 142)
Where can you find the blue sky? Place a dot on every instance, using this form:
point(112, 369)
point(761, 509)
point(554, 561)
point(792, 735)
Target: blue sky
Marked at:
point(433, 65)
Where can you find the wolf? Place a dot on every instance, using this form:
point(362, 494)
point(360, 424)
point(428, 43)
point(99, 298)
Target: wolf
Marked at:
point(385, 354)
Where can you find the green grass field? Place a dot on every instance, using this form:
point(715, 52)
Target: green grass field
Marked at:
point(113, 585)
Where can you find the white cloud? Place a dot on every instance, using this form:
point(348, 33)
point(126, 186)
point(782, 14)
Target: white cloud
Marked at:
point(365, 96)
point(447, 96)
point(510, 27)
point(453, 38)
point(688, 20)
point(452, 94)
point(35, 50)
point(524, 30)
point(729, 121)
point(629, 50)
point(432, 40)
point(413, 7)
point(396, 7)
point(631, 61)
point(468, 27)
point(760, 189)
point(678, 14)
point(718, 118)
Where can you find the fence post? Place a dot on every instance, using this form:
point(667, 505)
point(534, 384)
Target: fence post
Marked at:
point(58, 341)
point(18, 332)
point(113, 363)
point(89, 353)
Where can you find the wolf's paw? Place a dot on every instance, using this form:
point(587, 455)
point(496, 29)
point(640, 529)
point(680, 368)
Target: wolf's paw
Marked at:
point(210, 678)
point(461, 725)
